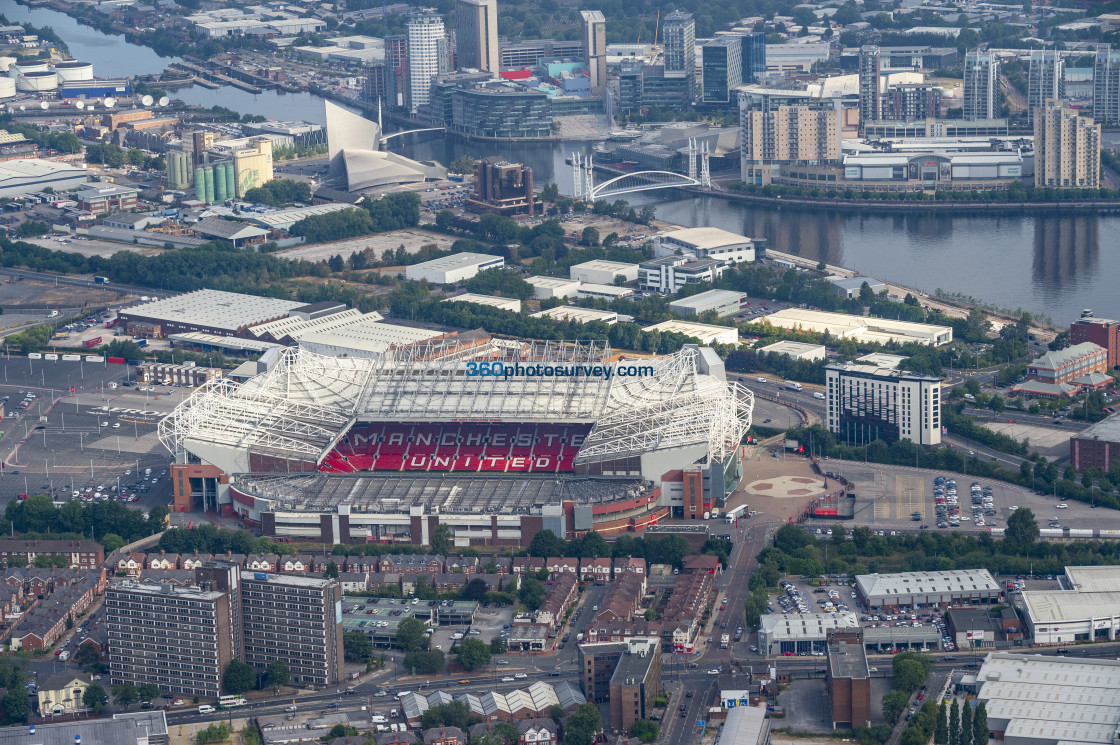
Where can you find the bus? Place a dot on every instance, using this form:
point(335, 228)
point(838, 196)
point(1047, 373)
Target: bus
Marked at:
point(231, 701)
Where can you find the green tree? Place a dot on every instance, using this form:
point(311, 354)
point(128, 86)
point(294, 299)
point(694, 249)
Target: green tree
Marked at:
point(498, 645)
point(278, 672)
point(332, 570)
point(980, 731)
point(593, 546)
point(545, 544)
point(1022, 528)
point(464, 164)
point(476, 589)
point(87, 655)
point(583, 725)
point(125, 695)
point(894, 702)
point(954, 723)
point(147, 691)
point(453, 714)
point(966, 724)
point(427, 661)
point(239, 677)
point(910, 670)
point(441, 539)
point(590, 236)
point(531, 593)
point(15, 705)
point(941, 726)
point(411, 636)
point(356, 646)
point(644, 730)
point(111, 541)
point(94, 698)
point(473, 653)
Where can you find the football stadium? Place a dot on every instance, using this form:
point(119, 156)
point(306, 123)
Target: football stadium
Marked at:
point(495, 438)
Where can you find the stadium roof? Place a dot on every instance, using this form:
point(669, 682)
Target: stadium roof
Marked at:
point(304, 403)
point(214, 309)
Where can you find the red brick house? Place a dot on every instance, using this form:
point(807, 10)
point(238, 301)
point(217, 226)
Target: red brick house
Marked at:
point(594, 570)
point(563, 565)
point(623, 565)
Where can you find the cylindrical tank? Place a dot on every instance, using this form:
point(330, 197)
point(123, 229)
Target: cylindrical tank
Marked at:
point(199, 184)
point(7, 87)
point(37, 81)
point(18, 69)
point(219, 184)
point(185, 170)
point(208, 174)
point(72, 70)
point(7, 62)
point(231, 181)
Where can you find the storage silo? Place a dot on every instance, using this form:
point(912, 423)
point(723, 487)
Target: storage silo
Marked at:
point(231, 180)
point(199, 184)
point(219, 184)
point(7, 87)
point(73, 71)
point(34, 82)
point(208, 174)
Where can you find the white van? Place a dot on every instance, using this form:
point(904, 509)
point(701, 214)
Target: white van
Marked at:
point(206, 709)
point(378, 719)
point(818, 394)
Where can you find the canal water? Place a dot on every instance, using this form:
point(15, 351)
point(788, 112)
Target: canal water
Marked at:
point(1052, 265)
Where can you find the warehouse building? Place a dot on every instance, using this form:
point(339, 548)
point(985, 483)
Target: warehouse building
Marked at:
point(706, 333)
point(860, 328)
point(20, 177)
point(851, 287)
point(745, 724)
point(1047, 700)
point(603, 272)
point(1088, 609)
point(796, 349)
point(707, 243)
point(928, 589)
point(577, 314)
point(545, 288)
point(208, 311)
point(503, 303)
point(594, 291)
point(721, 302)
point(802, 633)
point(454, 268)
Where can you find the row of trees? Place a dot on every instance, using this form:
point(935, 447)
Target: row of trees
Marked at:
point(961, 726)
point(909, 672)
point(110, 523)
point(240, 677)
point(391, 212)
point(280, 191)
point(114, 156)
point(207, 538)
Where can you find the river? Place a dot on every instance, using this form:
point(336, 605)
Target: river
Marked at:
point(1051, 265)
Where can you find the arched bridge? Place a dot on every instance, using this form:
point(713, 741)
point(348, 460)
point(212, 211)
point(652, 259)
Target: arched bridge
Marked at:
point(629, 183)
point(391, 135)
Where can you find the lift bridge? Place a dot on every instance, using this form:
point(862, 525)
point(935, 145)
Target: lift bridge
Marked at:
point(583, 176)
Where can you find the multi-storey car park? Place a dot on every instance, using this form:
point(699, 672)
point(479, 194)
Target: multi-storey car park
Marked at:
point(497, 439)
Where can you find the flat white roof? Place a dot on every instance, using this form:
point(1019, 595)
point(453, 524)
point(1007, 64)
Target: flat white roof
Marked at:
point(603, 265)
point(552, 282)
point(805, 625)
point(1046, 607)
point(1094, 579)
point(615, 290)
point(706, 238)
point(456, 261)
point(283, 218)
point(881, 359)
point(577, 314)
point(926, 583)
point(843, 326)
point(708, 299)
point(745, 725)
point(793, 348)
point(506, 303)
point(705, 332)
point(214, 309)
point(1056, 699)
point(33, 168)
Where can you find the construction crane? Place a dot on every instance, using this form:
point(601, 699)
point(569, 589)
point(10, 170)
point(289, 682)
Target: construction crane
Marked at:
point(656, 27)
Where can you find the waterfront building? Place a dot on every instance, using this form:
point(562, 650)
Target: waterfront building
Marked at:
point(427, 56)
point(781, 128)
point(501, 110)
point(870, 109)
point(909, 102)
point(1067, 148)
point(476, 35)
point(594, 38)
point(679, 34)
point(1045, 80)
point(868, 403)
point(642, 86)
point(1106, 86)
point(981, 85)
point(721, 68)
point(930, 127)
point(528, 53)
point(1103, 332)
